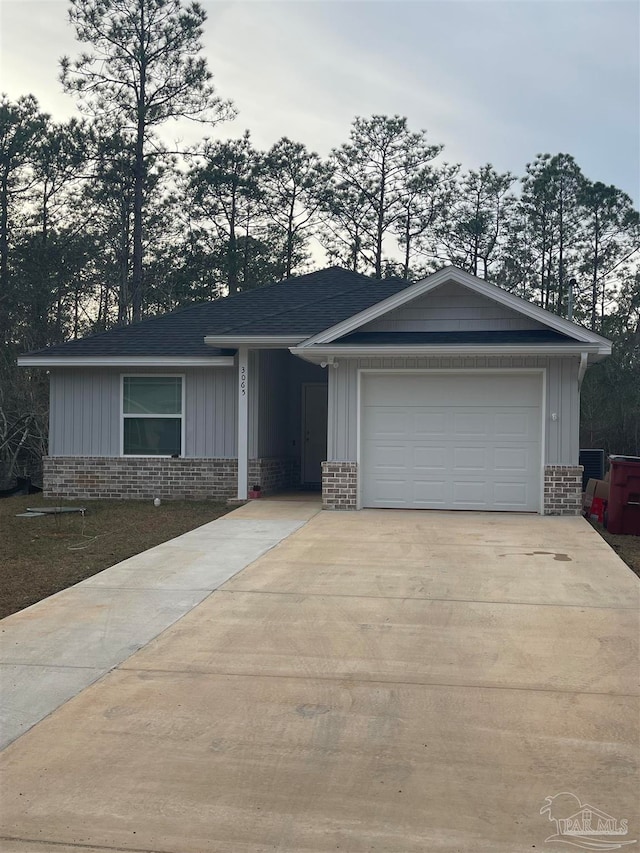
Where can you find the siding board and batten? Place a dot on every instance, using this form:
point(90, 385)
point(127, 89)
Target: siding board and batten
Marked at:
point(273, 387)
point(451, 308)
point(562, 397)
point(85, 411)
point(211, 412)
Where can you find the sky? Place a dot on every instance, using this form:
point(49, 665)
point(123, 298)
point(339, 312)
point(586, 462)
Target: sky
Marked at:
point(492, 80)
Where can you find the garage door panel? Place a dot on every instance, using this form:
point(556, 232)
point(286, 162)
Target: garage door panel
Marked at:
point(515, 425)
point(470, 492)
point(388, 423)
point(433, 458)
point(470, 458)
point(513, 459)
point(390, 457)
point(511, 495)
point(470, 452)
point(472, 424)
point(427, 492)
point(392, 492)
point(428, 423)
point(502, 388)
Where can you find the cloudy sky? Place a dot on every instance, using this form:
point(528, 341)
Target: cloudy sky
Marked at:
point(493, 81)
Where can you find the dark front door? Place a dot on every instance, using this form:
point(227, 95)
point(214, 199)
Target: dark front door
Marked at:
point(314, 431)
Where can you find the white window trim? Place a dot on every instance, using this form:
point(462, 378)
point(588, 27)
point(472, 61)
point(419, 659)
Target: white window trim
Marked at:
point(180, 376)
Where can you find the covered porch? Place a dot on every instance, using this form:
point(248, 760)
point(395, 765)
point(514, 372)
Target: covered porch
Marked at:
point(282, 422)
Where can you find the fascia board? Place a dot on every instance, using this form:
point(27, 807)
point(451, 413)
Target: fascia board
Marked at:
point(125, 361)
point(323, 352)
point(263, 341)
point(424, 286)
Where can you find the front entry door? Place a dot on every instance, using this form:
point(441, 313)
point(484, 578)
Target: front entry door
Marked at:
point(314, 431)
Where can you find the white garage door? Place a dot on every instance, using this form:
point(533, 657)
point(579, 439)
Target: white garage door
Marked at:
point(451, 441)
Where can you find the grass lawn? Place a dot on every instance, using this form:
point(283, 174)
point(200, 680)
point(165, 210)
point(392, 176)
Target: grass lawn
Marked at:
point(626, 547)
point(40, 556)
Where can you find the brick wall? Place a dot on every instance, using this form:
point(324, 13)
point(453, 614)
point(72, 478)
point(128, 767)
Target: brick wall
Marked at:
point(562, 489)
point(339, 485)
point(89, 477)
point(274, 474)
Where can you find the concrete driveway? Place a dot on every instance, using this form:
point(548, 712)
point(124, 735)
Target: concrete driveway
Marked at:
point(379, 681)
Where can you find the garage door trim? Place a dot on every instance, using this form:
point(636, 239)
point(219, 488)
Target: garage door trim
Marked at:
point(507, 371)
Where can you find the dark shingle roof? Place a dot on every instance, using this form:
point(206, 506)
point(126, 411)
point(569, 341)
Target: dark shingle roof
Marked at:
point(510, 336)
point(304, 305)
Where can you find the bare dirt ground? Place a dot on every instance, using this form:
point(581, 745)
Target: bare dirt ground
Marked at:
point(627, 547)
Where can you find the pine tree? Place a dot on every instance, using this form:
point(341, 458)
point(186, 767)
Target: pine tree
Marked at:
point(143, 69)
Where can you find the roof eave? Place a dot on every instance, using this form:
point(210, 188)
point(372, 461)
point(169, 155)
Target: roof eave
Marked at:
point(125, 361)
point(319, 353)
point(257, 341)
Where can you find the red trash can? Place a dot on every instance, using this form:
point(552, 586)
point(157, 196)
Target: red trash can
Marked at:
point(623, 510)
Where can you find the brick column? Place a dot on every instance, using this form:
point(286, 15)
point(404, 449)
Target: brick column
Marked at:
point(562, 490)
point(339, 485)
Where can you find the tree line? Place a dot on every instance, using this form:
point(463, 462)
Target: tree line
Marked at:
point(103, 223)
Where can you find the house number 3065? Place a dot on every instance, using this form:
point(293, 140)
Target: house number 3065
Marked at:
point(243, 381)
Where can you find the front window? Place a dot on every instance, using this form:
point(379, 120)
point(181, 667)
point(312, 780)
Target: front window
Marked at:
point(152, 415)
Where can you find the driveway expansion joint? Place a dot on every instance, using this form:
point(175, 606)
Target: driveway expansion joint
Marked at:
point(359, 679)
point(80, 846)
point(631, 607)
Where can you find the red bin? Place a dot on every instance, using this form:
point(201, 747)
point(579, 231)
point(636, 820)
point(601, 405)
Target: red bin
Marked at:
point(623, 511)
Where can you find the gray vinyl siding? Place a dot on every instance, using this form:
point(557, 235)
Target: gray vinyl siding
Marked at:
point(84, 415)
point(211, 404)
point(562, 398)
point(451, 308)
point(273, 387)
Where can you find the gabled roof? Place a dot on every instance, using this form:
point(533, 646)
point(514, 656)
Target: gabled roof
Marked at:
point(311, 314)
point(452, 274)
point(290, 310)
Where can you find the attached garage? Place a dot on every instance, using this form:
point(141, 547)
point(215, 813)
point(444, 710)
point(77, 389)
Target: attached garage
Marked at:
point(454, 394)
point(454, 440)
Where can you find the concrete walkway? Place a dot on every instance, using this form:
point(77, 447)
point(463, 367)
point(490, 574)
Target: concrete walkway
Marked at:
point(391, 681)
point(54, 649)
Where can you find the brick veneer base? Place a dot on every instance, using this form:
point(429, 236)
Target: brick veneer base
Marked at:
point(274, 473)
point(563, 489)
point(339, 485)
point(92, 477)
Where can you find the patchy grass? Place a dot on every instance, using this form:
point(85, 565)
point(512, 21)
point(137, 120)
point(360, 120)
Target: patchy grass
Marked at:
point(626, 547)
point(40, 556)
